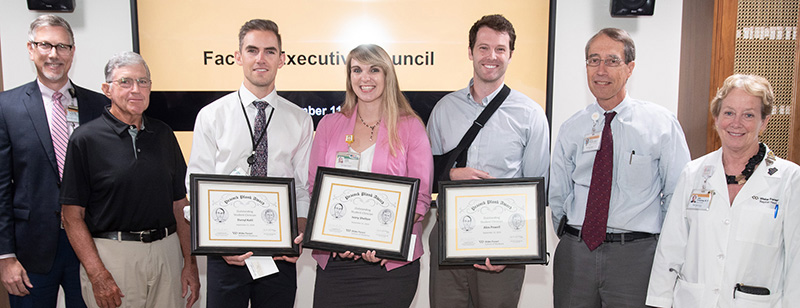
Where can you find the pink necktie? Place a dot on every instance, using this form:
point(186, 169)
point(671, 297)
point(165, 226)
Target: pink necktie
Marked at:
point(59, 132)
point(593, 231)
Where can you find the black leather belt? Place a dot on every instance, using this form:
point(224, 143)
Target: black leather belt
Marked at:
point(146, 236)
point(614, 237)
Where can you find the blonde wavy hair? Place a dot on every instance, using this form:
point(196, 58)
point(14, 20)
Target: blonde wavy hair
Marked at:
point(394, 104)
point(752, 84)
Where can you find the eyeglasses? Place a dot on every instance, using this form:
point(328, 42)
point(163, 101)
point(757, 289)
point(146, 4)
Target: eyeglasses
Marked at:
point(45, 47)
point(610, 62)
point(127, 83)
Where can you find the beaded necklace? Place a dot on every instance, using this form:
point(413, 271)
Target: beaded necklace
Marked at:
point(749, 168)
point(372, 128)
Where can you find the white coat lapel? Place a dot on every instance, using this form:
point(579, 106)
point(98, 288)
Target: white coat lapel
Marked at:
point(717, 180)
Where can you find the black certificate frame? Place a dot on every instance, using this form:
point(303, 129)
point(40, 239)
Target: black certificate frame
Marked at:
point(530, 190)
point(238, 190)
point(355, 186)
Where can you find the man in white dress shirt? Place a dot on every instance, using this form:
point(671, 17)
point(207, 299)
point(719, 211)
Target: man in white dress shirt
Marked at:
point(228, 139)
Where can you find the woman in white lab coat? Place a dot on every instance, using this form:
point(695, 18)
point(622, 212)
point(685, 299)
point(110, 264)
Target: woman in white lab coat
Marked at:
point(732, 232)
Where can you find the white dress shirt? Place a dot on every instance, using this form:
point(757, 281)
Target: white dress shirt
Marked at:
point(222, 140)
point(649, 152)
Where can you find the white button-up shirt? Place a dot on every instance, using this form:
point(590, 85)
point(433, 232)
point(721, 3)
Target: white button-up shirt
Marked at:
point(222, 140)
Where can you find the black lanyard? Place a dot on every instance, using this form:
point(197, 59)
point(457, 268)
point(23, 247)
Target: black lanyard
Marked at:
point(252, 158)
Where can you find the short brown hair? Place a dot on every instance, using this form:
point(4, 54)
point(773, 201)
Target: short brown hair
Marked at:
point(495, 22)
point(260, 25)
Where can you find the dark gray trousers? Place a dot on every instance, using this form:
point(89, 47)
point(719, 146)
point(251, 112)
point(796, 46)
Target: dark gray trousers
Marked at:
point(613, 275)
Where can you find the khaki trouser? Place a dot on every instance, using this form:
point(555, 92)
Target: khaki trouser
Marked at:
point(147, 273)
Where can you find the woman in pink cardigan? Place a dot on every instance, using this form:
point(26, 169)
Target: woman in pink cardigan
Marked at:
point(376, 123)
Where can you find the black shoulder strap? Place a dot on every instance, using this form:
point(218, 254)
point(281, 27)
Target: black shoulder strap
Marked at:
point(459, 157)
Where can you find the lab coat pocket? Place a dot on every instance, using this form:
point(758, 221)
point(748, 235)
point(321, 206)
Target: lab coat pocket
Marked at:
point(688, 294)
point(745, 300)
point(758, 225)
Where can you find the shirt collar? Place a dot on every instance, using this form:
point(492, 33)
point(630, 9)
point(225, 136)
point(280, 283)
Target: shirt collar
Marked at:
point(47, 92)
point(118, 126)
point(248, 97)
point(622, 107)
point(486, 99)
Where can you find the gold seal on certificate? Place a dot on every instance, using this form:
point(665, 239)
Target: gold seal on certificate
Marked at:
point(499, 219)
point(237, 214)
point(359, 211)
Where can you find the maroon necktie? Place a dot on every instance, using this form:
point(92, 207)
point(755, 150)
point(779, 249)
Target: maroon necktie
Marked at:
point(593, 231)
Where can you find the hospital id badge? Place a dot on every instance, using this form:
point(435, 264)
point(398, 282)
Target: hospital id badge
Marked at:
point(591, 142)
point(347, 160)
point(700, 199)
point(72, 114)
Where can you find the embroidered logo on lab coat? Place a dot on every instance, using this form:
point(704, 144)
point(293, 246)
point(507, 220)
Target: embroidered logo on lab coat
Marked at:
point(765, 199)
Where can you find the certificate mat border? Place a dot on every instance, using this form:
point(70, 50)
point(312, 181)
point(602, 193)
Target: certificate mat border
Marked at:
point(515, 186)
point(247, 182)
point(399, 250)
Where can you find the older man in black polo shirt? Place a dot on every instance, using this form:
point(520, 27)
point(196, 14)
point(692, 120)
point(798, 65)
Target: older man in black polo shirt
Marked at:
point(123, 199)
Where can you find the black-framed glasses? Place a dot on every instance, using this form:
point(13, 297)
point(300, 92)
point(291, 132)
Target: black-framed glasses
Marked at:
point(610, 62)
point(127, 83)
point(45, 47)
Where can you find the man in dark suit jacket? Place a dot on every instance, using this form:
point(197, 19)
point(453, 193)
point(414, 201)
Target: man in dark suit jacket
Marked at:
point(35, 255)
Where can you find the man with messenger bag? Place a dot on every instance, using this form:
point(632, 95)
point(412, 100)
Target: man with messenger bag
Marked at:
point(490, 132)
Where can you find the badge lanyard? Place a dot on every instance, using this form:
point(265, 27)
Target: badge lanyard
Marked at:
point(252, 158)
point(708, 171)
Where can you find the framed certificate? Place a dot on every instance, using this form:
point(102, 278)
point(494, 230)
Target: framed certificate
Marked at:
point(232, 215)
point(359, 211)
point(500, 219)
